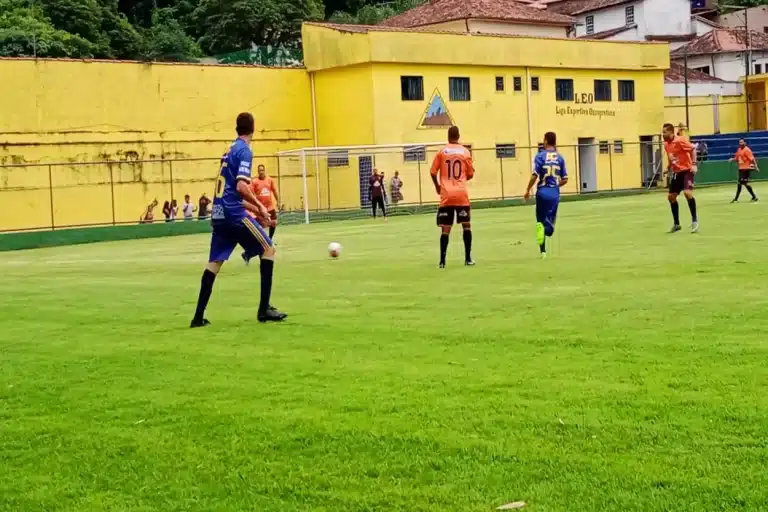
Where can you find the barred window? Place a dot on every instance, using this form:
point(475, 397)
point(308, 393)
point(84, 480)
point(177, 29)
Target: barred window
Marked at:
point(338, 159)
point(602, 90)
point(564, 89)
point(605, 147)
point(414, 154)
point(412, 88)
point(618, 146)
point(626, 90)
point(499, 84)
point(458, 89)
point(506, 151)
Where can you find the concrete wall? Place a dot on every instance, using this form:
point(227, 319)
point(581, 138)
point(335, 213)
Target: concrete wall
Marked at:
point(757, 19)
point(708, 114)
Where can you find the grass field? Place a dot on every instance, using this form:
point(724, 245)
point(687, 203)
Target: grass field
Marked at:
point(626, 372)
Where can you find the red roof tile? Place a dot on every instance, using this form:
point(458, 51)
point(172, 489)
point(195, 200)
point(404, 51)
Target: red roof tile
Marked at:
point(574, 7)
point(676, 75)
point(723, 40)
point(441, 11)
point(605, 34)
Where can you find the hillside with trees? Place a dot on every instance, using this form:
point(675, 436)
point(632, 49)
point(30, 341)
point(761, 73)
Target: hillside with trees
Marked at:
point(171, 30)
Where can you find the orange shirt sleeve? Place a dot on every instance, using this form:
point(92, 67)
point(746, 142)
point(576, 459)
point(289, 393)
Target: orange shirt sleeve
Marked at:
point(685, 145)
point(436, 164)
point(749, 155)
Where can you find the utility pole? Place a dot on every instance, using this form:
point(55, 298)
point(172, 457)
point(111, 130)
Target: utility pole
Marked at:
point(685, 75)
point(748, 64)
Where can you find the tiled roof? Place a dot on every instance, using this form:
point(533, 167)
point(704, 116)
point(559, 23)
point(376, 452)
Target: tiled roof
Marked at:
point(723, 40)
point(676, 75)
point(574, 7)
point(605, 34)
point(441, 11)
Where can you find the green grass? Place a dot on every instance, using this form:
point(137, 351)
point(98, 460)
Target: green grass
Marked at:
point(626, 372)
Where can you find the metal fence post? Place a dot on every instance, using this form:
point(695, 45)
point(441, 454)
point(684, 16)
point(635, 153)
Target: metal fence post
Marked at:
point(279, 184)
point(501, 169)
point(328, 180)
point(50, 193)
point(419, 176)
point(610, 161)
point(112, 191)
point(170, 167)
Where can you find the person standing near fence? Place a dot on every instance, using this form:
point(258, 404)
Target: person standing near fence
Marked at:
point(188, 209)
point(377, 193)
point(747, 163)
point(396, 184)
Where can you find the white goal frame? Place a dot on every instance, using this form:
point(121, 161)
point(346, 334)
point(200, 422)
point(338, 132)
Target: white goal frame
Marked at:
point(316, 151)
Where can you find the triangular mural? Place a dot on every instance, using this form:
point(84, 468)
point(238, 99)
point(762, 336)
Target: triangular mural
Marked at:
point(436, 115)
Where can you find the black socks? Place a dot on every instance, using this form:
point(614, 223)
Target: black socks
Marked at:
point(467, 245)
point(265, 268)
point(675, 212)
point(692, 207)
point(206, 287)
point(443, 247)
point(272, 232)
point(738, 192)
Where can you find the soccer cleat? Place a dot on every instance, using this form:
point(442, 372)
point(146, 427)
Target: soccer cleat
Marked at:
point(469, 263)
point(695, 227)
point(675, 228)
point(754, 200)
point(543, 255)
point(271, 315)
point(539, 233)
point(442, 265)
point(199, 323)
point(246, 259)
point(735, 201)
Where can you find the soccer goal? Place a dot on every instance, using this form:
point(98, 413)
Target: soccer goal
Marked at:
point(324, 183)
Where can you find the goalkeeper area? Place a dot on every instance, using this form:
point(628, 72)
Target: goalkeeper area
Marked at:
point(626, 372)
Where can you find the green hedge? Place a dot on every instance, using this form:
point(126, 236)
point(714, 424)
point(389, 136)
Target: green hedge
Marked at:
point(87, 235)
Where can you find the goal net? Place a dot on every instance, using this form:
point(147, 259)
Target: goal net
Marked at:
point(325, 183)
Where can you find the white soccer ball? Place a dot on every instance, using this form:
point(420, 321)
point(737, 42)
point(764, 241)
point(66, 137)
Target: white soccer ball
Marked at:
point(334, 249)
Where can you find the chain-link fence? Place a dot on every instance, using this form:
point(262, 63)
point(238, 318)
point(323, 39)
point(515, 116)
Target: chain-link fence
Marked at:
point(311, 183)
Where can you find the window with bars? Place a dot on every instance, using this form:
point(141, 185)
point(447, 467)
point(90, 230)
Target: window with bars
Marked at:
point(517, 83)
point(506, 151)
point(602, 90)
point(629, 14)
point(564, 89)
point(604, 147)
point(626, 90)
point(458, 88)
point(414, 154)
point(534, 83)
point(590, 23)
point(412, 88)
point(618, 146)
point(499, 84)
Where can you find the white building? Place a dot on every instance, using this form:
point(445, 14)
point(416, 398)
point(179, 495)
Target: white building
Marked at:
point(755, 17)
point(722, 53)
point(629, 20)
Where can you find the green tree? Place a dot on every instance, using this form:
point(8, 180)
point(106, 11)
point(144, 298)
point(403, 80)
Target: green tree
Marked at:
point(167, 41)
point(26, 31)
point(225, 26)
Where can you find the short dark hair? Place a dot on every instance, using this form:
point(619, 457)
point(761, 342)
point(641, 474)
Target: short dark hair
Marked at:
point(245, 124)
point(260, 167)
point(453, 134)
point(669, 126)
point(550, 139)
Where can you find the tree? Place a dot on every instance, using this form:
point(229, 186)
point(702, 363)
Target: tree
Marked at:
point(167, 41)
point(26, 31)
point(229, 25)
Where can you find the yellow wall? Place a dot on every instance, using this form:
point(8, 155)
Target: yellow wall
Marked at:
point(70, 112)
point(701, 114)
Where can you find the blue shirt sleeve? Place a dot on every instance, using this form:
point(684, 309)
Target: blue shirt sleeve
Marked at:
point(563, 172)
point(243, 160)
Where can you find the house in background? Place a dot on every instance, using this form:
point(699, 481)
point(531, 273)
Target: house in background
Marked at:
point(629, 20)
point(756, 18)
point(721, 53)
point(485, 17)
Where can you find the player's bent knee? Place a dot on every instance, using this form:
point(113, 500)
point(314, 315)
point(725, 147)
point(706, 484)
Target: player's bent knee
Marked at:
point(672, 197)
point(688, 194)
point(214, 266)
point(269, 254)
point(445, 229)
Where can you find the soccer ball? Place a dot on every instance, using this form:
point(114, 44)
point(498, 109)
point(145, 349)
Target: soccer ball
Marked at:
point(334, 249)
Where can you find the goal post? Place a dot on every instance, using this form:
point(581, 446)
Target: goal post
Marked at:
point(316, 183)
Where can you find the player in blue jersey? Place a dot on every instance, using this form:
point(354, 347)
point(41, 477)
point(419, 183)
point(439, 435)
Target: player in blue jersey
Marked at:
point(232, 225)
point(549, 171)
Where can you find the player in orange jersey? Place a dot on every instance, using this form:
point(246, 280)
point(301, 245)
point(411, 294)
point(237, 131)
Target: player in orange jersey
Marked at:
point(682, 162)
point(451, 169)
point(264, 188)
point(747, 164)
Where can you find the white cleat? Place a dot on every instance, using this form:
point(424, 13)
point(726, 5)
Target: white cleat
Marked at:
point(695, 227)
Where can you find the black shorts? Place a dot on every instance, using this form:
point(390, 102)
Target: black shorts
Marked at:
point(680, 181)
point(447, 214)
point(744, 176)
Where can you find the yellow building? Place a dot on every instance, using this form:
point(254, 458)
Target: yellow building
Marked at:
point(378, 85)
point(156, 131)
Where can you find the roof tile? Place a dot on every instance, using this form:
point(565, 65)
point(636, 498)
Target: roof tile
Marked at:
point(723, 40)
point(441, 11)
point(574, 7)
point(676, 75)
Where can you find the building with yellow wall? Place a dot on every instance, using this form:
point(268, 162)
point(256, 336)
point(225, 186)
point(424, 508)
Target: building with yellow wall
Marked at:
point(502, 91)
point(156, 131)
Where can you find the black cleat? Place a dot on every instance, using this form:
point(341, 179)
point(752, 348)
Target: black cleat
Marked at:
point(675, 228)
point(271, 315)
point(442, 265)
point(469, 263)
point(199, 323)
point(754, 199)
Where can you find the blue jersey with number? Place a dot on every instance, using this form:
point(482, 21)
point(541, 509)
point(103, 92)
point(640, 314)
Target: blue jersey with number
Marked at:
point(549, 166)
point(235, 166)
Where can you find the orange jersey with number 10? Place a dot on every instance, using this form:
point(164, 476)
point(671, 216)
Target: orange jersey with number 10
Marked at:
point(454, 166)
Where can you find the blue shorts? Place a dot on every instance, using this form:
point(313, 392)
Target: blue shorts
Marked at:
point(227, 235)
point(547, 201)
